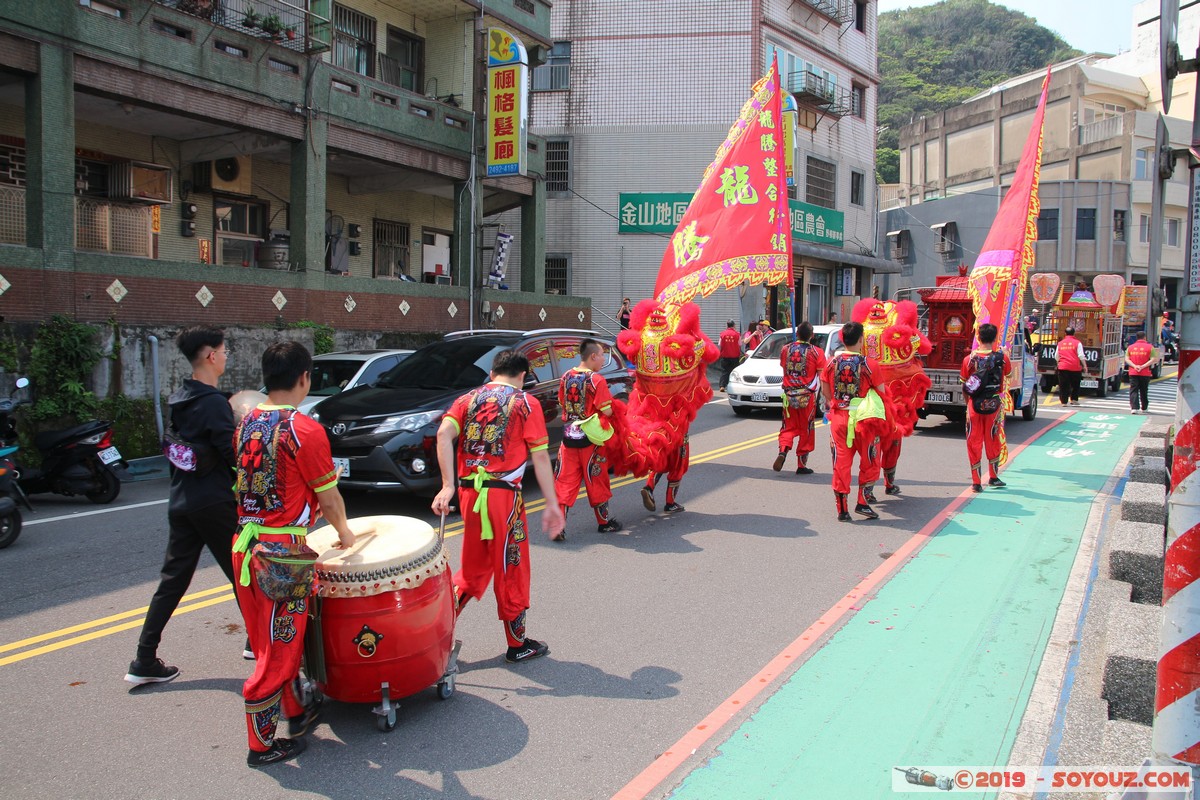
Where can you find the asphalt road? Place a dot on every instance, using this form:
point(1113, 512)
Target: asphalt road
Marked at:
point(650, 629)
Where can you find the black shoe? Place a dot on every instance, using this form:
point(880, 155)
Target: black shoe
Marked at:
point(893, 489)
point(531, 649)
point(648, 499)
point(866, 511)
point(247, 651)
point(673, 508)
point(975, 487)
point(300, 725)
point(779, 459)
point(281, 750)
point(803, 471)
point(143, 672)
point(870, 497)
point(612, 526)
point(561, 536)
point(844, 516)
point(997, 483)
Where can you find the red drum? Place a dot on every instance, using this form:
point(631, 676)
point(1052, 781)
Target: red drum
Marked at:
point(383, 615)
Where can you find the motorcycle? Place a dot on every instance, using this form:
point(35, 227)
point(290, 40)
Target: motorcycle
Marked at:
point(10, 513)
point(79, 460)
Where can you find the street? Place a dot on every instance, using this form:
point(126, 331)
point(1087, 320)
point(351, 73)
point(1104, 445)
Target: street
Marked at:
point(650, 630)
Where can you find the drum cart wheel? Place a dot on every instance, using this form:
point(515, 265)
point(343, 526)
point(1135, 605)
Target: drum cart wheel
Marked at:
point(385, 712)
point(445, 687)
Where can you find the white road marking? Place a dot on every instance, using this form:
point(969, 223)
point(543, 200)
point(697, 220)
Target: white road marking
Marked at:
point(27, 522)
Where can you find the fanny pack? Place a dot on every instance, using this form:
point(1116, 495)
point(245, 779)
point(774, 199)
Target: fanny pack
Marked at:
point(283, 571)
point(185, 455)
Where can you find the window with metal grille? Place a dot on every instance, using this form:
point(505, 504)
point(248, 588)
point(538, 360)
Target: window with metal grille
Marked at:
point(1085, 224)
point(558, 273)
point(856, 188)
point(353, 40)
point(1047, 223)
point(391, 248)
point(558, 165)
point(404, 63)
point(820, 186)
point(555, 74)
point(858, 101)
point(1118, 226)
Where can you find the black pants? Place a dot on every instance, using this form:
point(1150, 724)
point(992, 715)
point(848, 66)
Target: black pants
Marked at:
point(1139, 387)
point(1068, 385)
point(727, 365)
point(212, 527)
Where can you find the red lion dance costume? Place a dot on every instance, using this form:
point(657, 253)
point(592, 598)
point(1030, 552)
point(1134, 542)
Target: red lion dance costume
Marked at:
point(891, 337)
point(670, 355)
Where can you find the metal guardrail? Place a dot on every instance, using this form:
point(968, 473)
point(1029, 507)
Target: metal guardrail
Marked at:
point(288, 25)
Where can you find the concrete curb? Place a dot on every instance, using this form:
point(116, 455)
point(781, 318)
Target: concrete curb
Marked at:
point(1136, 557)
point(1145, 502)
point(149, 468)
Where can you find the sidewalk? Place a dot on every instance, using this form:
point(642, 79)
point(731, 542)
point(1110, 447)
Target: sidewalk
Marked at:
point(937, 669)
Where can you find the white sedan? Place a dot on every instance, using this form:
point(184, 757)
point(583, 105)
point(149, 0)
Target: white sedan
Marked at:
point(758, 381)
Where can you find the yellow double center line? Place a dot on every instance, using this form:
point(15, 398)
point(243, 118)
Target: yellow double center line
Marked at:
point(127, 620)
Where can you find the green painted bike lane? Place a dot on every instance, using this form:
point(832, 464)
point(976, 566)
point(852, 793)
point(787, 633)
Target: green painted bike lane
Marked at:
point(937, 668)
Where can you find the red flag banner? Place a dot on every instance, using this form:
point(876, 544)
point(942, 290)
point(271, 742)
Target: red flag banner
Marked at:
point(737, 226)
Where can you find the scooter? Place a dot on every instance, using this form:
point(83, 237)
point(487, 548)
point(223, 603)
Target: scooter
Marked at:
point(79, 460)
point(10, 513)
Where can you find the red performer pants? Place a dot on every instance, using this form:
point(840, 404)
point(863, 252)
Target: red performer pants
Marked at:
point(799, 423)
point(276, 631)
point(677, 467)
point(867, 448)
point(503, 559)
point(891, 457)
point(585, 464)
point(983, 435)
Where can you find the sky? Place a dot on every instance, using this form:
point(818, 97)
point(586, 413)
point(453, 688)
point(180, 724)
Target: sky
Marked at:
point(1089, 25)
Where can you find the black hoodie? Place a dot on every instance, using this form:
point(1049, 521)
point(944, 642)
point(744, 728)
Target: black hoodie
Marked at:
point(202, 415)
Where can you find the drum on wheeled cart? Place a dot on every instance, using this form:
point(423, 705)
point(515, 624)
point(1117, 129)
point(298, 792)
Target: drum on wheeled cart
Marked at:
point(382, 621)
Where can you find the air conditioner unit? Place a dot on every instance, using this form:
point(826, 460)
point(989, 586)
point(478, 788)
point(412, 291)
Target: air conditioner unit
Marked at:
point(231, 175)
point(140, 182)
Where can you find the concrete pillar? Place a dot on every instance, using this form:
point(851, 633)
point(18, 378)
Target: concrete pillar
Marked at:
point(50, 158)
point(308, 203)
point(533, 240)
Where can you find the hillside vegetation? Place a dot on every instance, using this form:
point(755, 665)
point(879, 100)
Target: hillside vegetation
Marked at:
point(935, 57)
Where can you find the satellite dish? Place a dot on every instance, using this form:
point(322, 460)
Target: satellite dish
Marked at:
point(1168, 48)
point(227, 169)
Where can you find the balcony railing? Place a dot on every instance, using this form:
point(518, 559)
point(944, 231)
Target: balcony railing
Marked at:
point(288, 25)
point(12, 215)
point(113, 227)
point(1101, 131)
point(814, 89)
point(834, 9)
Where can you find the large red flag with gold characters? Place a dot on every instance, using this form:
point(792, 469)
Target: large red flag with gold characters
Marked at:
point(737, 226)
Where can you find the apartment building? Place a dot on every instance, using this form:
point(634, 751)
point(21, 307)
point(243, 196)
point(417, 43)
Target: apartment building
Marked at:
point(1097, 170)
point(634, 100)
point(241, 162)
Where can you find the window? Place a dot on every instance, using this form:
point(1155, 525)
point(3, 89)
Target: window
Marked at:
point(1095, 112)
point(1118, 226)
point(1173, 227)
point(1143, 163)
point(353, 41)
point(1143, 229)
point(1085, 224)
point(240, 227)
point(555, 74)
point(404, 64)
point(820, 186)
point(860, 16)
point(391, 249)
point(103, 8)
point(856, 188)
point(558, 165)
point(1047, 223)
point(558, 273)
point(858, 101)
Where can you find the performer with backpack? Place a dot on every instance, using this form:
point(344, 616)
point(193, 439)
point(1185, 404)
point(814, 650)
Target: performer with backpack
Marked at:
point(984, 375)
point(802, 363)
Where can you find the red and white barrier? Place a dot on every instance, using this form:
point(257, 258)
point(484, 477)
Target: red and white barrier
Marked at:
point(1177, 694)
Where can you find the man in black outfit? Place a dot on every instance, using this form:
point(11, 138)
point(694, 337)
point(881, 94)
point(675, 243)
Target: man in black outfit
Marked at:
point(201, 511)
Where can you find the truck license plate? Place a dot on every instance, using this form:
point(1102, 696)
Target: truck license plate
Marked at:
point(109, 455)
point(937, 397)
point(342, 464)
point(758, 397)
point(1088, 383)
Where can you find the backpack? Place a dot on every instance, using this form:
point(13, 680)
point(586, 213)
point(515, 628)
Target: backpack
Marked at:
point(983, 387)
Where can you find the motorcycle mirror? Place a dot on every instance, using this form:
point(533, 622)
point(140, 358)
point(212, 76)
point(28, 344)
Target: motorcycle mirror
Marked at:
point(22, 383)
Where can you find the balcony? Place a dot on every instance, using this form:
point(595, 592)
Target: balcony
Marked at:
point(836, 10)
point(1101, 131)
point(813, 89)
point(286, 24)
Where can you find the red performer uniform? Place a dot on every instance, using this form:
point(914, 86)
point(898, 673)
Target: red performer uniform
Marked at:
point(582, 393)
point(678, 461)
point(499, 426)
point(985, 416)
point(283, 462)
point(847, 376)
point(802, 364)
